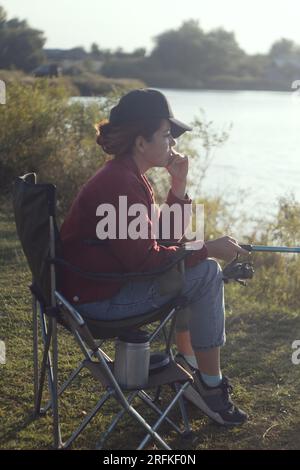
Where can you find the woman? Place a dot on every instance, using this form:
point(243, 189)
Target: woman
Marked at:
point(140, 134)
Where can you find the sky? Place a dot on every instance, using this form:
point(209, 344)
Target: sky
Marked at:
point(131, 24)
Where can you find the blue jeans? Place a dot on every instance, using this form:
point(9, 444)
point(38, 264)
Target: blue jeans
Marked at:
point(204, 318)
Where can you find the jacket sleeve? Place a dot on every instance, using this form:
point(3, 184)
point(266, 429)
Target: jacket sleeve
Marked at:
point(141, 253)
point(175, 216)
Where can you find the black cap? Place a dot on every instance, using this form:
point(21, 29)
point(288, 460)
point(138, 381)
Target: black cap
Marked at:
point(142, 104)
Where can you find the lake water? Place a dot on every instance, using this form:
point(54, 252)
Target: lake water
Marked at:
point(262, 153)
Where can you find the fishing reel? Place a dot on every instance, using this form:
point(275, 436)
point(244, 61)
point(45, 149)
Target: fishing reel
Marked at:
point(240, 271)
point(237, 271)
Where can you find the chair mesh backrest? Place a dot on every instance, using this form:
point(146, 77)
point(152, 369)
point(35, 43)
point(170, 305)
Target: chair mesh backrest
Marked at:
point(33, 205)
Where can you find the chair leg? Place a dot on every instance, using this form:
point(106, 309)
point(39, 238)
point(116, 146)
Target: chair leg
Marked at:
point(146, 399)
point(151, 430)
point(187, 428)
point(35, 353)
point(65, 385)
point(45, 363)
point(72, 376)
point(87, 419)
point(56, 425)
point(114, 422)
point(119, 395)
point(162, 418)
point(50, 364)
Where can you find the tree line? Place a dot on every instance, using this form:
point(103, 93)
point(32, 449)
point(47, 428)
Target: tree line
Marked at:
point(21, 47)
point(186, 57)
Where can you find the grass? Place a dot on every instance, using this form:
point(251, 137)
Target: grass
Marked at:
point(257, 357)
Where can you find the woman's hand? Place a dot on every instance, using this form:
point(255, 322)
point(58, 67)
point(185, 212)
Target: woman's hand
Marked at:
point(225, 248)
point(178, 167)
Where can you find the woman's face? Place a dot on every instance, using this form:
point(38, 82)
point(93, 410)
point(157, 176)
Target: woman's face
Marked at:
point(157, 152)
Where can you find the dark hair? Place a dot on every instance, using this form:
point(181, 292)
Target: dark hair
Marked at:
point(119, 140)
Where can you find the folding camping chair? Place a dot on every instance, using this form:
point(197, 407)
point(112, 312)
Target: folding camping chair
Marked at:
point(34, 207)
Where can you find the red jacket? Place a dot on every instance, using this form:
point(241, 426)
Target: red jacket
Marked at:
point(118, 177)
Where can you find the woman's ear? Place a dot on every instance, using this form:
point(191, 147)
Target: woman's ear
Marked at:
point(140, 144)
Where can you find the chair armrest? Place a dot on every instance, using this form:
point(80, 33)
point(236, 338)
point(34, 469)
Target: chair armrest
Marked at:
point(98, 276)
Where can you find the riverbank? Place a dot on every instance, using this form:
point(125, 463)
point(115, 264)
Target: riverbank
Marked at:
point(88, 84)
point(85, 84)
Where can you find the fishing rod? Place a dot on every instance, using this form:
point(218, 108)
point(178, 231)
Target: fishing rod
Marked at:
point(271, 249)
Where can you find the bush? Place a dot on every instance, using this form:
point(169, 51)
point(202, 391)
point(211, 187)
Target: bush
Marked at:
point(276, 282)
point(17, 76)
point(231, 82)
point(92, 84)
point(41, 130)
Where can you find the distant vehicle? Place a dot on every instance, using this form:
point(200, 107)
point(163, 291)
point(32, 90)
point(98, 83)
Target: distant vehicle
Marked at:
point(47, 70)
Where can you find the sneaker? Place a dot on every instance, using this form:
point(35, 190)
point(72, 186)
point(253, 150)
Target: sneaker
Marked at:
point(215, 402)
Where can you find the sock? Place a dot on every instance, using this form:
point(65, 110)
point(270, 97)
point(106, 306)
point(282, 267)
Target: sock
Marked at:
point(212, 380)
point(209, 380)
point(191, 360)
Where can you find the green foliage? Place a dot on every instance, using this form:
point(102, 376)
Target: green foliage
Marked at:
point(42, 131)
point(284, 48)
point(203, 55)
point(91, 84)
point(12, 77)
point(95, 51)
point(21, 47)
point(181, 50)
point(276, 282)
